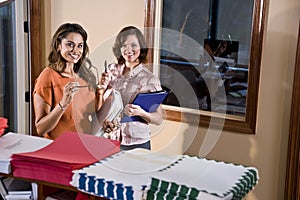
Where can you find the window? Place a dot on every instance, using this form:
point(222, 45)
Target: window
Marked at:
point(13, 65)
point(241, 116)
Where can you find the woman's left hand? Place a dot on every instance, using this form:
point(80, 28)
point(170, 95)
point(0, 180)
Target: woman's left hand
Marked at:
point(133, 110)
point(136, 110)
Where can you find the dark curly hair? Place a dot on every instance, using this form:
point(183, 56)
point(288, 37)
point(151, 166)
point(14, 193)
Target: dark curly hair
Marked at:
point(121, 38)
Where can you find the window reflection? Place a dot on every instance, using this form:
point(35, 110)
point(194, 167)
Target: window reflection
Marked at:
point(8, 96)
point(204, 62)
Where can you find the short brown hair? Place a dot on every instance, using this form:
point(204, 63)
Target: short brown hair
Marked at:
point(120, 39)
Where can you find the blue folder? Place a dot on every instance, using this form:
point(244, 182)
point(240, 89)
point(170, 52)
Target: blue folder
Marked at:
point(148, 101)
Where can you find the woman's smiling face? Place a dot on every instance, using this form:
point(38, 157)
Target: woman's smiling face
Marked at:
point(130, 49)
point(71, 47)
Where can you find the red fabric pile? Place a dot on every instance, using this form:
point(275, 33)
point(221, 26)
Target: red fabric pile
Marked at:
point(55, 162)
point(3, 125)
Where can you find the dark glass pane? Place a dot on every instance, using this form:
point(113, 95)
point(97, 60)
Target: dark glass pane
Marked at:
point(204, 54)
point(8, 105)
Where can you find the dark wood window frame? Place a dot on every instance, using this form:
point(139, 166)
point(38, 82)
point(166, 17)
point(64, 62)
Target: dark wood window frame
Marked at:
point(248, 125)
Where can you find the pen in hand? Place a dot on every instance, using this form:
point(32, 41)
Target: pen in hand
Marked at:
point(105, 76)
point(105, 66)
point(81, 86)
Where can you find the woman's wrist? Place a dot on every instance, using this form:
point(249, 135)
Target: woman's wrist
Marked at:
point(99, 90)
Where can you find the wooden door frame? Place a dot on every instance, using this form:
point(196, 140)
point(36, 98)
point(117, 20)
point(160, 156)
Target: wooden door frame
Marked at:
point(36, 56)
point(292, 189)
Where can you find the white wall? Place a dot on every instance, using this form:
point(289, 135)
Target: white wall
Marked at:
point(267, 149)
point(101, 20)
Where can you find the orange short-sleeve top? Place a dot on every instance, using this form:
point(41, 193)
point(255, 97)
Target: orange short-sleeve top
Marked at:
point(79, 115)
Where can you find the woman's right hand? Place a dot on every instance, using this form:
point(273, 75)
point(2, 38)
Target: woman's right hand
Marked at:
point(104, 81)
point(109, 74)
point(45, 118)
point(68, 92)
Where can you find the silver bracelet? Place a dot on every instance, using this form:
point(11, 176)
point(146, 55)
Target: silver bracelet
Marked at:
point(62, 108)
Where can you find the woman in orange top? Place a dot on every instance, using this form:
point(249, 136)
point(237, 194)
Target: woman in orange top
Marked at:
point(66, 95)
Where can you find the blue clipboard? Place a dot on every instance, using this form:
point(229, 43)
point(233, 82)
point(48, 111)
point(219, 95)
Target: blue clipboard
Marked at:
point(148, 101)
